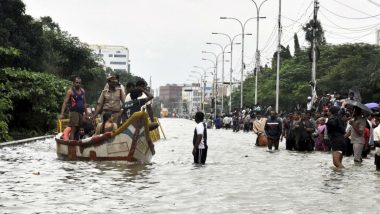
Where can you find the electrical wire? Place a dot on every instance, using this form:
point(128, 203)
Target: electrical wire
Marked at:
point(362, 12)
point(358, 29)
point(374, 3)
point(269, 40)
point(351, 18)
point(297, 20)
point(347, 37)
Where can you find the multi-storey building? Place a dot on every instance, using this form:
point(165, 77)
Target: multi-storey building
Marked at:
point(192, 98)
point(171, 97)
point(112, 56)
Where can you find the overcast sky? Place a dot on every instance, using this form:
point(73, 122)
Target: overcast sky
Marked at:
point(166, 37)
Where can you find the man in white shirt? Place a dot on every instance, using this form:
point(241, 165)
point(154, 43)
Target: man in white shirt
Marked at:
point(376, 139)
point(200, 140)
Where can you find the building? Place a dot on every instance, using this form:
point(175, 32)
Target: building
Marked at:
point(378, 37)
point(170, 92)
point(171, 97)
point(112, 56)
point(192, 98)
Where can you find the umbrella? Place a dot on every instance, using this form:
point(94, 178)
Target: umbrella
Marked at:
point(359, 105)
point(372, 105)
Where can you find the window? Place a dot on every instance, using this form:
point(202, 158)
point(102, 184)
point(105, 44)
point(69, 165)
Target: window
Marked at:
point(109, 55)
point(118, 63)
point(120, 55)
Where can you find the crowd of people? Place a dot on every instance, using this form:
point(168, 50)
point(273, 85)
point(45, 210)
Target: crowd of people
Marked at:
point(332, 123)
point(116, 104)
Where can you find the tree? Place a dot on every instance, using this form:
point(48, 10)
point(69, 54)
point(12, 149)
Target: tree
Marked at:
point(284, 54)
point(319, 33)
point(19, 31)
point(30, 101)
point(297, 48)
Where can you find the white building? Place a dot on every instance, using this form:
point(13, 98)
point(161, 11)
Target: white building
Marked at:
point(192, 97)
point(113, 56)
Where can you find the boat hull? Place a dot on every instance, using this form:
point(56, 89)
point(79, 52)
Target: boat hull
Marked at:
point(130, 142)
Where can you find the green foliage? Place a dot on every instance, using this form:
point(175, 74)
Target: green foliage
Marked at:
point(30, 100)
point(8, 56)
point(340, 68)
point(319, 33)
point(297, 47)
point(19, 31)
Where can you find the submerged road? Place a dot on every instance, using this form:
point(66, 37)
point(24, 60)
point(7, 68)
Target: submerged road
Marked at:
point(238, 178)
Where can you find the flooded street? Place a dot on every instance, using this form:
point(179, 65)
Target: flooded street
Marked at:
point(238, 178)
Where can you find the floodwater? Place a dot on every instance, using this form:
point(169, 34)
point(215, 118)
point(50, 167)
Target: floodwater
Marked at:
point(238, 178)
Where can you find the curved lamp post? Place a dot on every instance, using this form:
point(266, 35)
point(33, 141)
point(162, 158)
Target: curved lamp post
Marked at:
point(242, 52)
point(231, 39)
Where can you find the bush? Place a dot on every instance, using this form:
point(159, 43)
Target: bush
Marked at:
point(30, 101)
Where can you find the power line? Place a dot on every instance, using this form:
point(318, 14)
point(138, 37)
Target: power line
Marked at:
point(347, 37)
point(360, 37)
point(269, 38)
point(352, 18)
point(358, 29)
point(365, 13)
point(297, 20)
point(374, 3)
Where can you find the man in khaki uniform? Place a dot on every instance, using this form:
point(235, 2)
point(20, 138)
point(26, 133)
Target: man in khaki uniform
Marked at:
point(111, 99)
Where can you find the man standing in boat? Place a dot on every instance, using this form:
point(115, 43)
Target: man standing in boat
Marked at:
point(111, 99)
point(200, 139)
point(75, 98)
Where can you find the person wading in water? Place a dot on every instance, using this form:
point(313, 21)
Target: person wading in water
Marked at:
point(200, 140)
point(336, 130)
point(273, 129)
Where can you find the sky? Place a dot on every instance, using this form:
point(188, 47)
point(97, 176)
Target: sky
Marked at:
point(166, 37)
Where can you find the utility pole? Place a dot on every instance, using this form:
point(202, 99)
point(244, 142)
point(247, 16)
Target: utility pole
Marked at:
point(314, 65)
point(278, 57)
point(258, 7)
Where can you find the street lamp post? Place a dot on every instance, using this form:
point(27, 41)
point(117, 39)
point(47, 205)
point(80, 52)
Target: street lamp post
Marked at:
point(231, 45)
point(257, 45)
point(242, 53)
point(204, 84)
point(215, 76)
point(223, 51)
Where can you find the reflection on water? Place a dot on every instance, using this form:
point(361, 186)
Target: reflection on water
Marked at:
point(238, 178)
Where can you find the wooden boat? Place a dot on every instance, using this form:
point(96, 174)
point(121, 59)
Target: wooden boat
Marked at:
point(131, 142)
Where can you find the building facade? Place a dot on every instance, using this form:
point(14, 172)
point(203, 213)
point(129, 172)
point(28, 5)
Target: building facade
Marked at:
point(171, 97)
point(192, 98)
point(113, 57)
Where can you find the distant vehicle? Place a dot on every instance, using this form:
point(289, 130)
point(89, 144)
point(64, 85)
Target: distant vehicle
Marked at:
point(164, 112)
